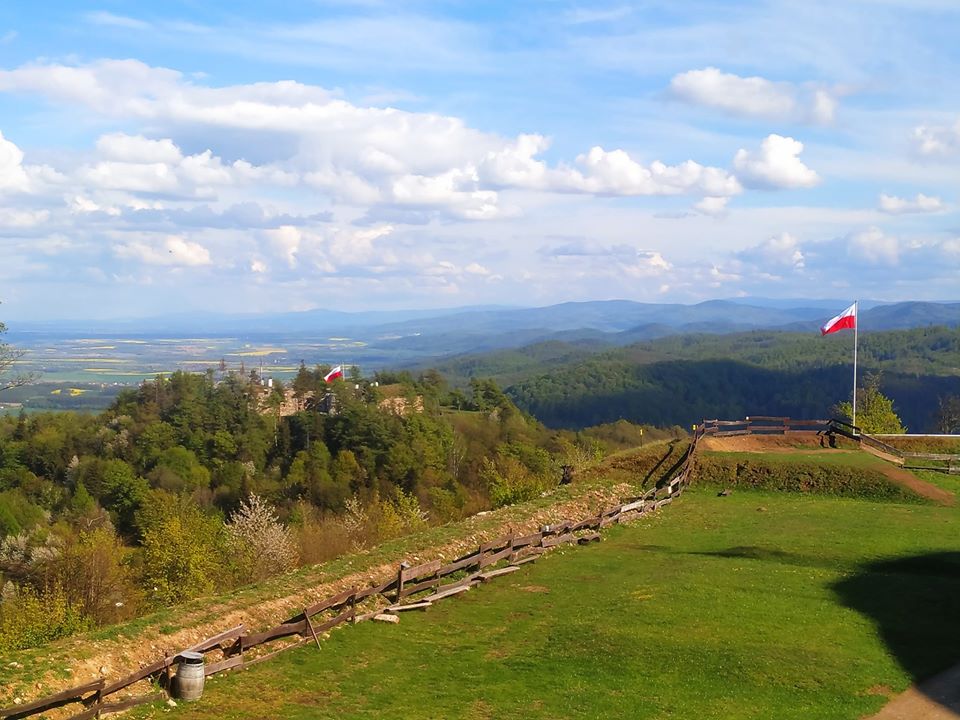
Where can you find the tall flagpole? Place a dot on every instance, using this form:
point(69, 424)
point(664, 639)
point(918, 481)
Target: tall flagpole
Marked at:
point(856, 323)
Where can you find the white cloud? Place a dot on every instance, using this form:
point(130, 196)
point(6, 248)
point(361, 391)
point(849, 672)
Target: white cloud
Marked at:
point(413, 162)
point(874, 247)
point(713, 206)
point(18, 218)
point(476, 269)
point(824, 107)
point(515, 164)
point(779, 251)
point(614, 172)
point(12, 174)
point(754, 96)
point(894, 205)
point(776, 165)
point(937, 140)
point(137, 149)
point(285, 241)
point(136, 164)
point(647, 264)
point(173, 250)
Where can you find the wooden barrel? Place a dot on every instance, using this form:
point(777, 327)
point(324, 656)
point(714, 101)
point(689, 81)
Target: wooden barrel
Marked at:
point(189, 680)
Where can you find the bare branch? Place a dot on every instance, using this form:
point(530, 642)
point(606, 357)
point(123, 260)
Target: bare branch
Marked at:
point(9, 356)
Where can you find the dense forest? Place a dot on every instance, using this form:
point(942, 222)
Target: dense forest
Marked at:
point(681, 379)
point(195, 483)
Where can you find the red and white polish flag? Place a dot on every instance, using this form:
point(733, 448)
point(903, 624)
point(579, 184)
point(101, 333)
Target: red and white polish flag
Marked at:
point(335, 373)
point(847, 320)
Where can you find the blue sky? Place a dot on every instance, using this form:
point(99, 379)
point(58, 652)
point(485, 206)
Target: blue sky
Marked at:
point(176, 156)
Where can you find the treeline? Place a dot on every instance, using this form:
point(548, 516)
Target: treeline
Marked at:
point(925, 351)
point(193, 484)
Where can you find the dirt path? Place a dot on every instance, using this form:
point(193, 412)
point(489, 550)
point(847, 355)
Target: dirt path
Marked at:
point(935, 699)
point(907, 479)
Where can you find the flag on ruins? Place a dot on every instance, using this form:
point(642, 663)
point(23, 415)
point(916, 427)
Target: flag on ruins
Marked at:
point(334, 374)
point(847, 320)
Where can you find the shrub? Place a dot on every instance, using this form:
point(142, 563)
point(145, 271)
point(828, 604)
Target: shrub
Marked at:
point(261, 545)
point(509, 481)
point(29, 617)
point(93, 570)
point(320, 536)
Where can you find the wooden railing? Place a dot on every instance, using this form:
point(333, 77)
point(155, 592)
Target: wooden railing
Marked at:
point(412, 587)
point(770, 425)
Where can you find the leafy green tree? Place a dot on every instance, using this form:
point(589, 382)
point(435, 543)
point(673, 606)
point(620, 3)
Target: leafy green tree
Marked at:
point(179, 470)
point(182, 551)
point(82, 501)
point(17, 513)
point(347, 471)
point(875, 413)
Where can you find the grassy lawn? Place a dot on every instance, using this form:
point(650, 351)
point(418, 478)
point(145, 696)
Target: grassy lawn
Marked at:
point(756, 605)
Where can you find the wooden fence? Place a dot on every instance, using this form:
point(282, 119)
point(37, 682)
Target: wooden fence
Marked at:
point(761, 425)
point(413, 587)
point(768, 425)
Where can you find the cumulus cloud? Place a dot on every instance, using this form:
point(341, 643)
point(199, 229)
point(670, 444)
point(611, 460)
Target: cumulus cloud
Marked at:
point(754, 96)
point(937, 140)
point(894, 205)
point(874, 247)
point(776, 165)
point(412, 162)
point(647, 264)
point(713, 206)
point(12, 174)
point(779, 251)
point(614, 172)
point(172, 250)
point(137, 164)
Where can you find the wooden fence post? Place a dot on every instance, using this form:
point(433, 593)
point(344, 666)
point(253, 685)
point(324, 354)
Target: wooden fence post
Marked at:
point(400, 580)
point(312, 631)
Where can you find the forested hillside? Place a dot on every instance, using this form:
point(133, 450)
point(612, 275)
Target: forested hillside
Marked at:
point(681, 379)
point(191, 484)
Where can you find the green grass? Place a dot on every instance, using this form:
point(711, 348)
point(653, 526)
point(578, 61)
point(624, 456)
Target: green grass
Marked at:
point(756, 605)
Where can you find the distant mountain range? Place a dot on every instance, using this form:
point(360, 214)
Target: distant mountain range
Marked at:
point(437, 333)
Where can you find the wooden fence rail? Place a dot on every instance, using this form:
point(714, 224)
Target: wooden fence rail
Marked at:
point(769, 425)
point(235, 643)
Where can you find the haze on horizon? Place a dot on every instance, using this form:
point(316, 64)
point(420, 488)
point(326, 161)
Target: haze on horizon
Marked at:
point(170, 157)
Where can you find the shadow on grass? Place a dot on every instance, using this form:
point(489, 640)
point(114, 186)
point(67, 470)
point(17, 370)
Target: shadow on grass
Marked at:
point(667, 476)
point(915, 604)
point(755, 552)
